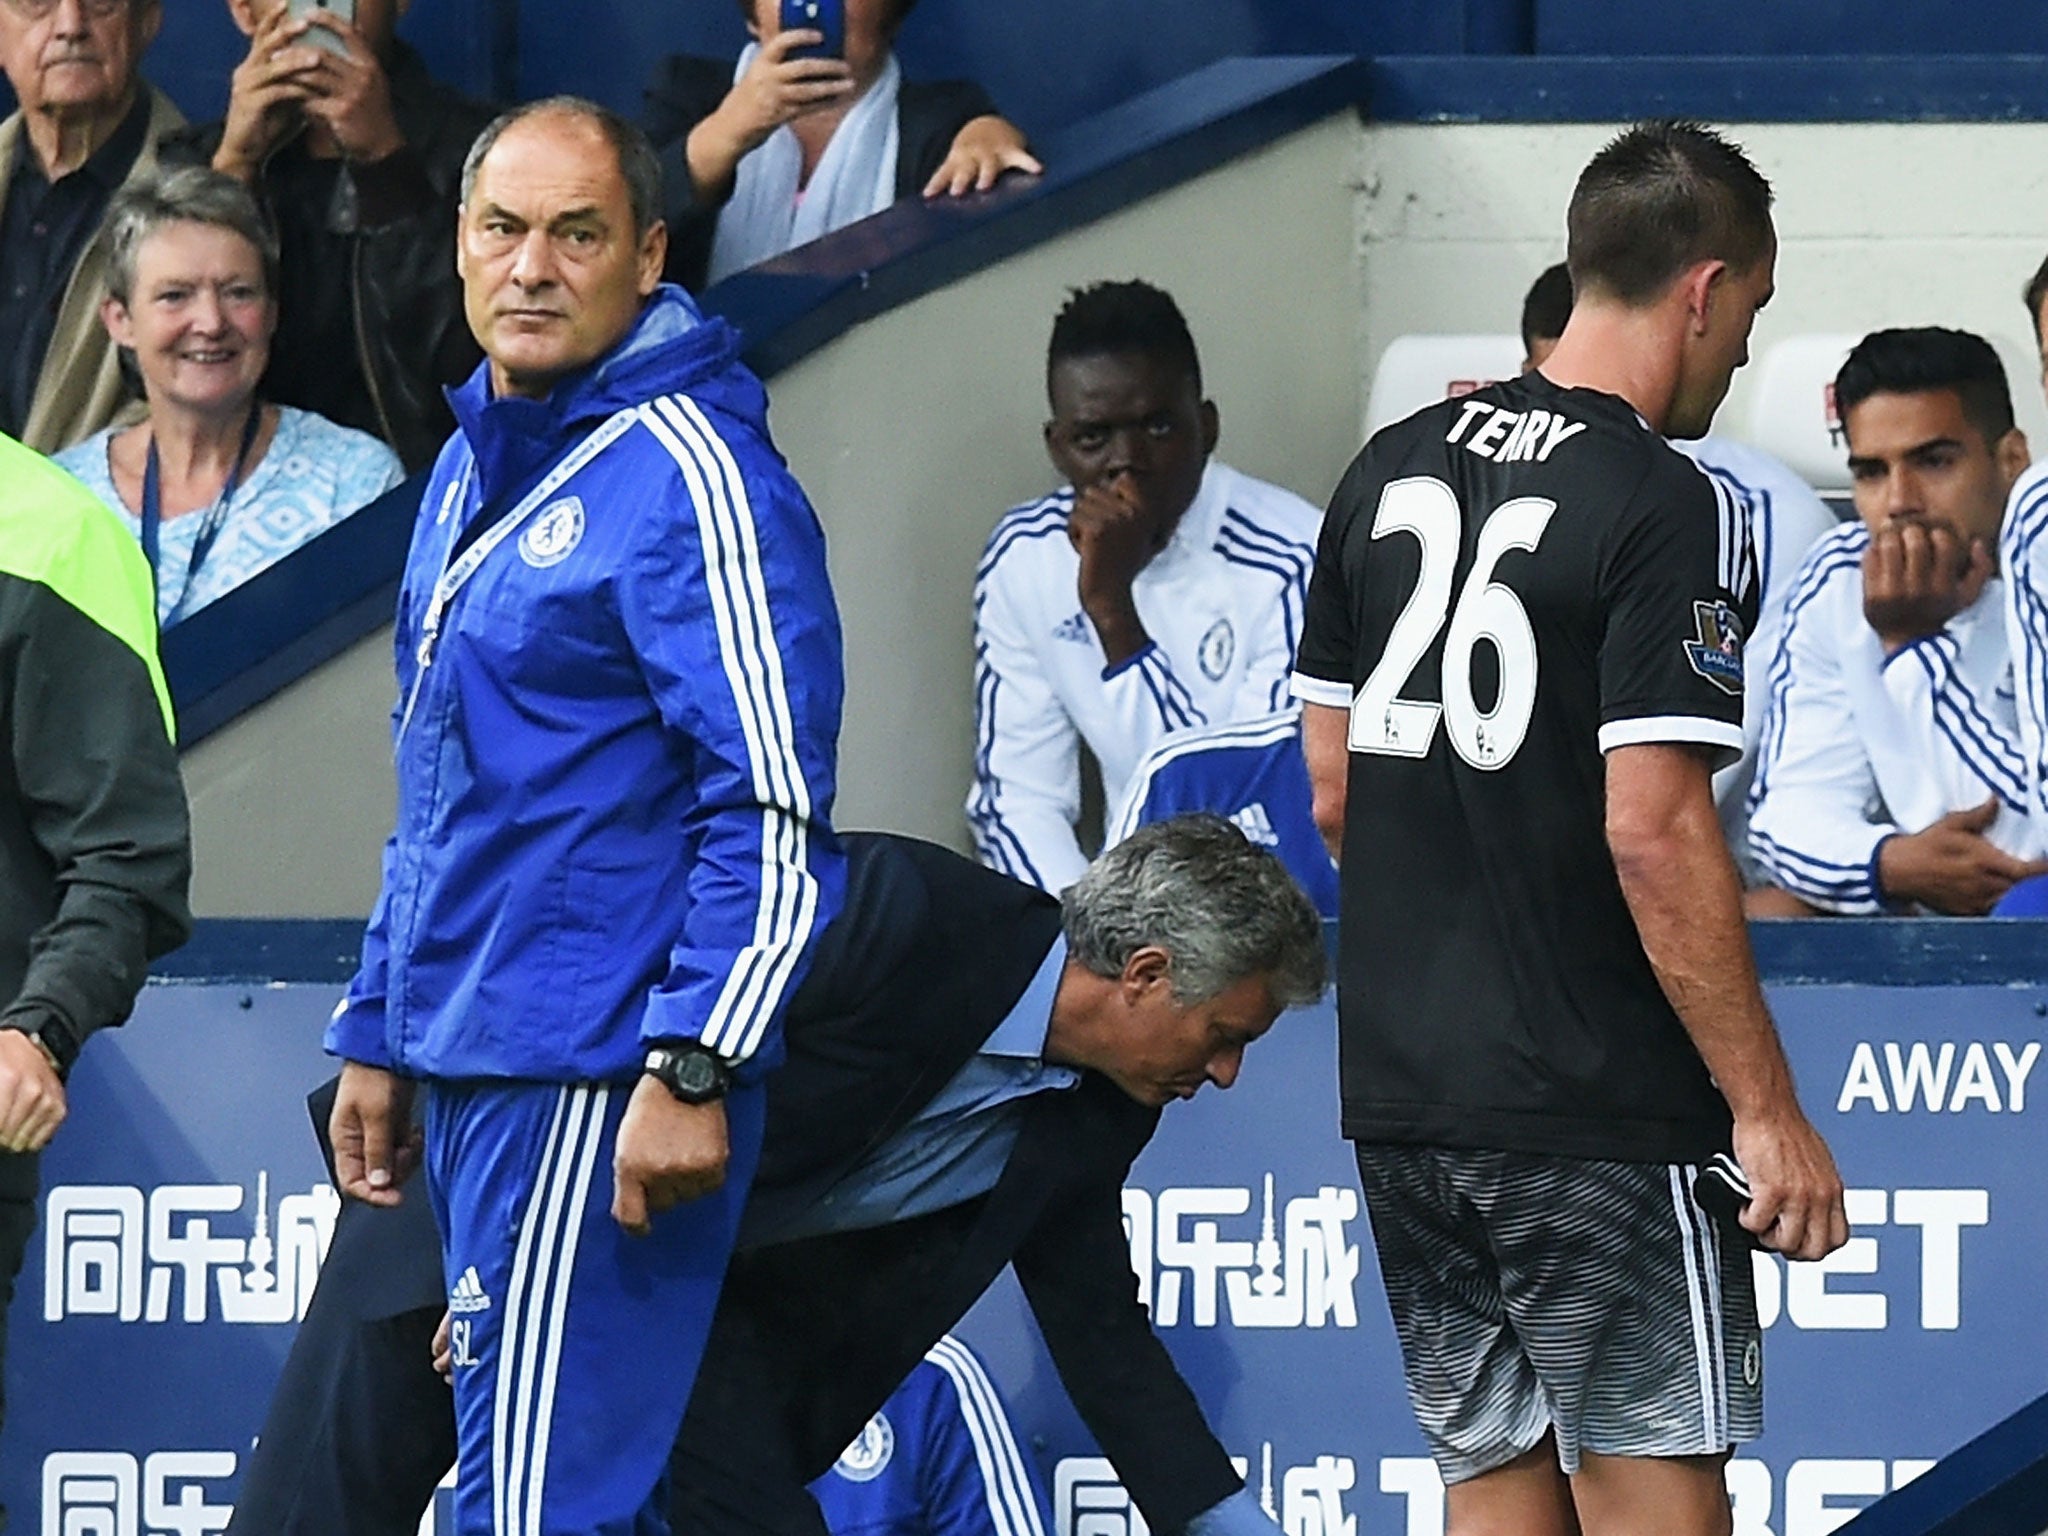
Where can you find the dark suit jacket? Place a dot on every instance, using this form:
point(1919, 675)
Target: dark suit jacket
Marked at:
point(687, 89)
point(813, 1335)
point(929, 954)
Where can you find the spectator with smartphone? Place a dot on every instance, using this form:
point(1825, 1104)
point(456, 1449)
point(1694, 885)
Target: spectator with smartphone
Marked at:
point(815, 129)
point(87, 123)
point(355, 152)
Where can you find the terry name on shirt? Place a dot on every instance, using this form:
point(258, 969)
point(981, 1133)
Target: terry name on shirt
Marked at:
point(1508, 436)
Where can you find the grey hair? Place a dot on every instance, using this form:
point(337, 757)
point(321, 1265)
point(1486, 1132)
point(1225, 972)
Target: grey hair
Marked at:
point(639, 166)
point(1223, 909)
point(192, 194)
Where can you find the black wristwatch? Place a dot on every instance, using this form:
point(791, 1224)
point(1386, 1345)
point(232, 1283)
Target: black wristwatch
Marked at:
point(693, 1073)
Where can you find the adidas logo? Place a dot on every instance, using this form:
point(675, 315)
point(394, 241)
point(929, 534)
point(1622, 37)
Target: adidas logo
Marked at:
point(1256, 825)
point(469, 1294)
point(1074, 628)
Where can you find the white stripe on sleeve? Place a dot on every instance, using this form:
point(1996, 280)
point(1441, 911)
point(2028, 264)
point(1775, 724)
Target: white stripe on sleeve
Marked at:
point(1011, 1507)
point(787, 906)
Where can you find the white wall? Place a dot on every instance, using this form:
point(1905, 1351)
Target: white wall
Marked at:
point(1879, 224)
point(912, 443)
point(292, 802)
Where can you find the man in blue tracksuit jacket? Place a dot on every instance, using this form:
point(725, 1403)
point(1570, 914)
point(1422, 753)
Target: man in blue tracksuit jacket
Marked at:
point(619, 694)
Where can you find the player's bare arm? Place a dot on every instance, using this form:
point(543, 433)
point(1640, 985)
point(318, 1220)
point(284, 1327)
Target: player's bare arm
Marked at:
point(1952, 867)
point(1323, 742)
point(1685, 897)
point(1115, 535)
point(1916, 577)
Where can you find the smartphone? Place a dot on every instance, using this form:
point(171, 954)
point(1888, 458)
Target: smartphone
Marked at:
point(320, 37)
point(826, 16)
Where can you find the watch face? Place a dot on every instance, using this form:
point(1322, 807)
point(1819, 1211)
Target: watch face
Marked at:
point(694, 1072)
point(693, 1075)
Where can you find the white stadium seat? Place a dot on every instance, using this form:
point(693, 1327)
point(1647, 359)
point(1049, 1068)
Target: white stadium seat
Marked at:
point(1792, 403)
point(1792, 408)
point(1416, 371)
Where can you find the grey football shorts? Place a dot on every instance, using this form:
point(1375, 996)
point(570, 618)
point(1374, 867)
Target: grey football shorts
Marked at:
point(1536, 1293)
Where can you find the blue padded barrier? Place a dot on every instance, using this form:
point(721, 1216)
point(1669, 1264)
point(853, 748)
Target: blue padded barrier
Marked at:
point(1916, 88)
point(1997, 1485)
point(273, 629)
point(184, 1213)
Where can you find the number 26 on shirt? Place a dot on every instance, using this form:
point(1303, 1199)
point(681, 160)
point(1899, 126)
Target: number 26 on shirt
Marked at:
point(1382, 721)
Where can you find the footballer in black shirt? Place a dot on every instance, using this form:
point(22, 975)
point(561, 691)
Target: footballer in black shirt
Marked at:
point(1522, 661)
point(1523, 545)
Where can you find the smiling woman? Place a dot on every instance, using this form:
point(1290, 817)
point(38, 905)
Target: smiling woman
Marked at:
point(216, 484)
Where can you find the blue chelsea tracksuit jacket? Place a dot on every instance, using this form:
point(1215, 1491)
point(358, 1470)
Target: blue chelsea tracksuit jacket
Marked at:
point(619, 673)
point(938, 1459)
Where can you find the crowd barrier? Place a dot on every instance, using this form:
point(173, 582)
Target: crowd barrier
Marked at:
point(185, 1211)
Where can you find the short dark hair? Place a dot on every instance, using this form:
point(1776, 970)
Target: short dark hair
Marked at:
point(1925, 358)
point(1658, 198)
point(1547, 307)
point(638, 164)
point(1124, 319)
point(2036, 291)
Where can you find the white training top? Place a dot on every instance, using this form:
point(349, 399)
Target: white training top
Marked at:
point(1223, 605)
point(2023, 561)
point(1786, 518)
point(1857, 747)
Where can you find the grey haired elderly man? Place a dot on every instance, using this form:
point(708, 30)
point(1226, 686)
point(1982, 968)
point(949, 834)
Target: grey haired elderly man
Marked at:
point(1025, 1047)
point(87, 125)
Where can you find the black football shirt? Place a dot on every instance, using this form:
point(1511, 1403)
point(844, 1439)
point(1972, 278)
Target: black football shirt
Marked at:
point(1509, 585)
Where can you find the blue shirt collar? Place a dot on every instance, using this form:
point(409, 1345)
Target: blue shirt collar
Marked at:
point(1025, 1027)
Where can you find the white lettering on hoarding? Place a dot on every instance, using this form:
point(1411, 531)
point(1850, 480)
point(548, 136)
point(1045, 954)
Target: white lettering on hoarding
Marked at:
point(112, 1250)
point(1303, 1500)
point(1891, 1077)
point(112, 1493)
point(1815, 1493)
point(1299, 1272)
point(1802, 1294)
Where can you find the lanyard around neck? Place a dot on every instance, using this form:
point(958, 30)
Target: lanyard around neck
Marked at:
point(209, 529)
point(456, 570)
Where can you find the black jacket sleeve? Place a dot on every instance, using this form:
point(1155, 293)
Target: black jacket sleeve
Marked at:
point(98, 802)
point(1075, 1268)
